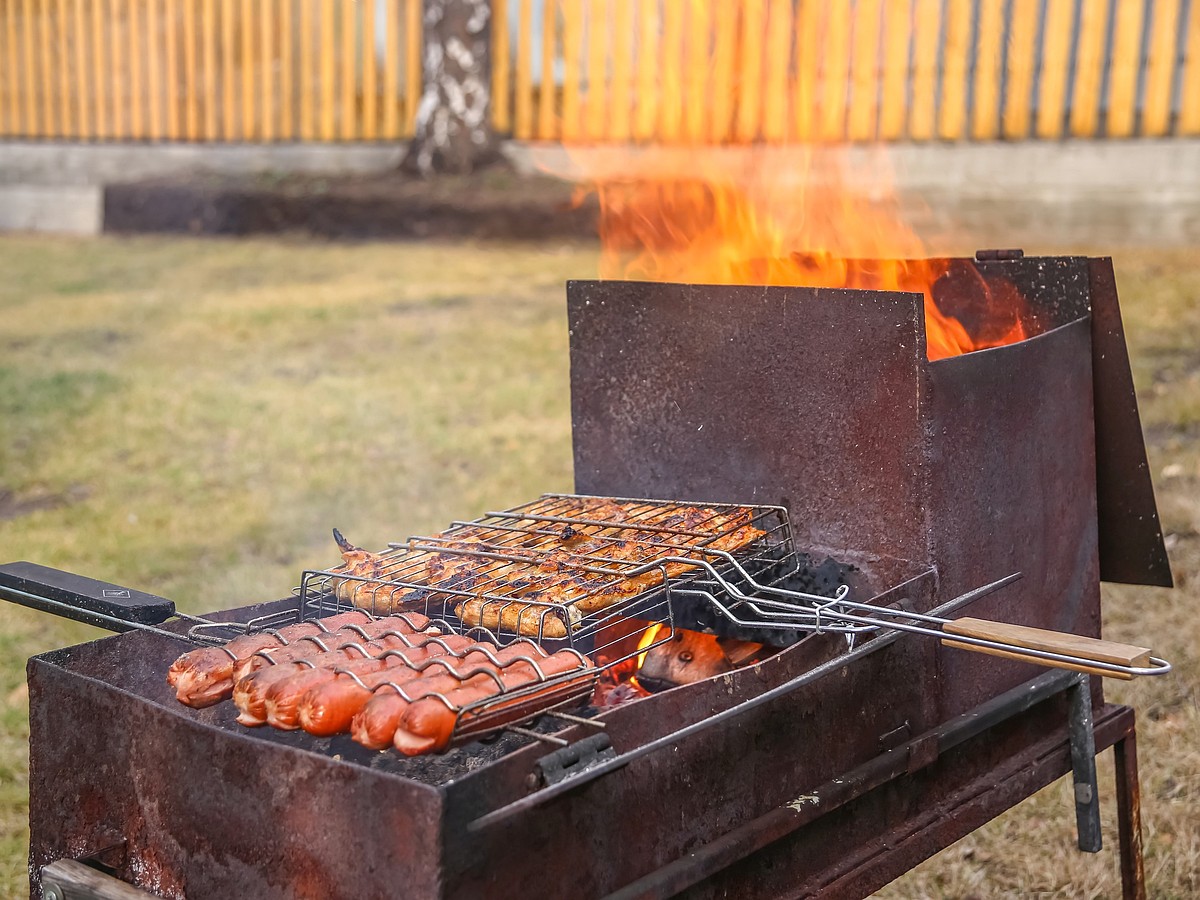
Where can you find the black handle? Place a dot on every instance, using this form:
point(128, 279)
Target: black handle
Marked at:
point(83, 599)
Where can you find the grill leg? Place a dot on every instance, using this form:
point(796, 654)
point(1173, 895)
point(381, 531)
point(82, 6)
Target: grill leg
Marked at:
point(1129, 817)
point(1083, 765)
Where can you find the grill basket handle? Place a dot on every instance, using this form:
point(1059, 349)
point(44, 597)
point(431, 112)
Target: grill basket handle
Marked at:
point(1114, 660)
point(71, 596)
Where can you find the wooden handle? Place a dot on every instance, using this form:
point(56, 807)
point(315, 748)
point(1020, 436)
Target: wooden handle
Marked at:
point(1023, 636)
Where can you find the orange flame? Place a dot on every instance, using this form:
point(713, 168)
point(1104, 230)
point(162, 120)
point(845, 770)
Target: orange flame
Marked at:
point(815, 217)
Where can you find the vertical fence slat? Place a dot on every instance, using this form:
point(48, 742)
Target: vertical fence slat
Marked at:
point(779, 48)
point(924, 85)
point(723, 71)
point(82, 117)
point(46, 71)
point(99, 70)
point(228, 60)
point(646, 108)
point(1160, 71)
point(171, 78)
point(952, 116)
point(370, 82)
point(1019, 88)
point(546, 100)
point(12, 93)
point(116, 69)
point(861, 121)
point(698, 57)
point(62, 45)
point(837, 62)
point(1125, 66)
point(412, 54)
point(985, 112)
point(308, 68)
point(325, 42)
point(390, 126)
point(596, 110)
point(287, 70)
point(266, 66)
point(154, 81)
point(1189, 110)
point(1089, 69)
point(28, 59)
point(572, 56)
point(191, 92)
point(523, 101)
point(245, 25)
point(805, 91)
point(671, 55)
point(897, 34)
point(749, 83)
point(1056, 55)
point(134, 61)
point(208, 40)
point(349, 110)
point(501, 69)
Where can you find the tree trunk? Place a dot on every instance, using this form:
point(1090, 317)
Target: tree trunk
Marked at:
point(453, 131)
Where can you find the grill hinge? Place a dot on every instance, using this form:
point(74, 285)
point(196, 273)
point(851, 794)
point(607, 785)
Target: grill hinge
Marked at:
point(570, 760)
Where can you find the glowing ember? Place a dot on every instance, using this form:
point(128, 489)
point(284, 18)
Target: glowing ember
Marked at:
point(794, 217)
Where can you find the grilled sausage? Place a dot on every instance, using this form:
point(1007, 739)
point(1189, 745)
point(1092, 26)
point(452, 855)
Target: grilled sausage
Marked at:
point(204, 676)
point(282, 699)
point(428, 724)
point(329, 707)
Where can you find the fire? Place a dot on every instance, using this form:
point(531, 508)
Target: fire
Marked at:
point(802, 216)
point(647, 638)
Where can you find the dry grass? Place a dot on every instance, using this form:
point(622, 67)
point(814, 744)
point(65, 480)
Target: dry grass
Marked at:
point(191, 417)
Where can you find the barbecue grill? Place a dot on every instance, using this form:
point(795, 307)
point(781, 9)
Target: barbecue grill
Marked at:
point(1003, 483)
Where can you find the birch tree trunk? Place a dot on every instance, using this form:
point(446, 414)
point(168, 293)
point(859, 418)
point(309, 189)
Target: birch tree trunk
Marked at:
point(453, 132)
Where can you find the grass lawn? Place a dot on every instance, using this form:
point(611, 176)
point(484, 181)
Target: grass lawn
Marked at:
point(191, 418)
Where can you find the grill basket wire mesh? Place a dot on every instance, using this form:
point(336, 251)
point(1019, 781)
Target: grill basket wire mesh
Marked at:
point(506, 560)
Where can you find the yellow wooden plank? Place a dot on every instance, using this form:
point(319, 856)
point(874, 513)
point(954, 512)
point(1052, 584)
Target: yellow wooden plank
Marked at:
point(62, 44)
point(287, 71)
point(245, 23)
point(1089, 69)
point(985, 112)
point(308, 69)
point(99, 71)
point(572, 37)
point(12, 93)
point(1021, 56)
point(806, 88)
point(1160, 71)
point(927, 24)
point(135, 58)
point(897, 33)
point(46, 71)
point(154, 79)
point(171, 76)
point(645, 109)
point(697, 64)
point(266, 66)
point(208, 41)
point(523, 86)
point(780, 29)
point(598, 43)
point(1189, 111)
point(862, 120)
point(956, 49)
point(837, 62)
point(326, 42)
point(116, 71)
point(1056, 58)
point(228, 67)
point(412, 55)
point(724, 69)
point(349, 74)
point(391, 70)
point(748, 114)
point(83, 124)
point(370, 82)
point(1125, 67)
point(670, 53)
point(547, 118)
point(28, 68)
point(501, 68)
point(191, 70)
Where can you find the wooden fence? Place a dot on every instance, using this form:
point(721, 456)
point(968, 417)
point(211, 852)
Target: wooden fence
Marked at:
point(672, 71)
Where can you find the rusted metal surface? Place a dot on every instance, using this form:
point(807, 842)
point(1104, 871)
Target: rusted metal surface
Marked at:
point(1129, 815)
point(1131, 540)
point(808, 398)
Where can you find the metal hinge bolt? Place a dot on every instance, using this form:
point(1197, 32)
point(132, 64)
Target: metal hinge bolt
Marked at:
point(52, 891)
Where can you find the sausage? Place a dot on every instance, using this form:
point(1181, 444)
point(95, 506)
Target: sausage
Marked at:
point(428, 724)
point(313, 644)
point(375, 724)
point(282, 699)
point(329, 707)
point(204, 676)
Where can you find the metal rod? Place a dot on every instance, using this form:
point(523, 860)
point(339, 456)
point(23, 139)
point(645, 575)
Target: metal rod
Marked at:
point(1129, 817)
point(1083, 765)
